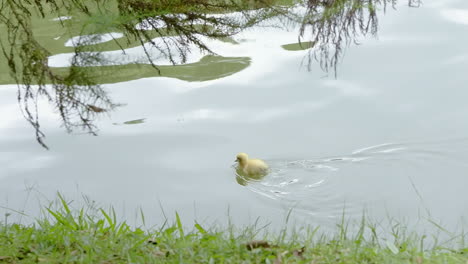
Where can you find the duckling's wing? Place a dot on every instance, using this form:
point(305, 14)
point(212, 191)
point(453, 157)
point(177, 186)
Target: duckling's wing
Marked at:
point(258, 163)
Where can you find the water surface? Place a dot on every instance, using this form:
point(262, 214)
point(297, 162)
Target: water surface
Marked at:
point(387, 136)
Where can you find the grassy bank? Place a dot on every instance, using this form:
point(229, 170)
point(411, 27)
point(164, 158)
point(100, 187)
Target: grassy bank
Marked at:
point(67, 236)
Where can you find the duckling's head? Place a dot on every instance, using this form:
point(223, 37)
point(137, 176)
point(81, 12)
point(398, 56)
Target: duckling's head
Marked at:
point(242, 158)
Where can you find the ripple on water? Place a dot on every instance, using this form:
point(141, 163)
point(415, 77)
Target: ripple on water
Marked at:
point(385, 176)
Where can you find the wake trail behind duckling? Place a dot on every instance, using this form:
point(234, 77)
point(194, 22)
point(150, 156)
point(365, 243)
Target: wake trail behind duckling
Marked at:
point(325, 185)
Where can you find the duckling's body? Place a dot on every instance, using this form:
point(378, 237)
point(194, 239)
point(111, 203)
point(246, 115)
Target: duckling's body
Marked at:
point(251, 168)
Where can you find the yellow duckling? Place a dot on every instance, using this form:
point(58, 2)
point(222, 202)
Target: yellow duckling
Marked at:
point(250, 168)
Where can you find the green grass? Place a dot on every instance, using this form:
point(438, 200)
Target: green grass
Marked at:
point(89, 235)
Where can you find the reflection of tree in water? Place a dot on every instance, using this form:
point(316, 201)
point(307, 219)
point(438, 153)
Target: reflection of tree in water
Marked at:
point(334, 24)
point(73, 95)
point(76, 94)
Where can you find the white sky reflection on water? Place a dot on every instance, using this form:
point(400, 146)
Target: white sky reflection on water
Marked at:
point(92, 39)
point(459, 16)
point(251, 46)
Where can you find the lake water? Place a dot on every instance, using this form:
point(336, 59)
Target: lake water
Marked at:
point(388, 136)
